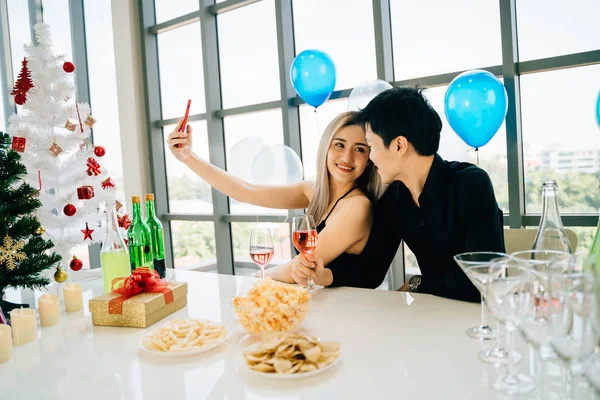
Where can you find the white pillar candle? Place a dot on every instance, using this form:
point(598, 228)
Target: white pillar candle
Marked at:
point(5, 343)
point(73, 297)
point(49, 309)
point(24, 325)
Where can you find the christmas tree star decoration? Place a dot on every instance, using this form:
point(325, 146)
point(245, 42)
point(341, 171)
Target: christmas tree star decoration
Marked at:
point(87, 232)
point(23, 84)
point(11, 252)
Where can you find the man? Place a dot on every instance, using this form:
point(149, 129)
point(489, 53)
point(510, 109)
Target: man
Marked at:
point(439, 208)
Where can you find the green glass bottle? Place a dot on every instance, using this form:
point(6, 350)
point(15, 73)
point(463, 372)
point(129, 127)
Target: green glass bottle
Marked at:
point(156, 234)
point(592, 262)
point(138, 235)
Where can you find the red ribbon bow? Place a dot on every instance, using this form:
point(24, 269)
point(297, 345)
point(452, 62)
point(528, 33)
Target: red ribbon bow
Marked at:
point(93, 167)
point(141, 280)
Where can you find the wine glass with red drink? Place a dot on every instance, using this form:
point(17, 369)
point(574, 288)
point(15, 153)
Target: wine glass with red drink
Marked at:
point(305, 239)
point(261, 248)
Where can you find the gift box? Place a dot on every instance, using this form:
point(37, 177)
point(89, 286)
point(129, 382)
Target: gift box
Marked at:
point(18, 143)
point(139, 311)
point(85, 192)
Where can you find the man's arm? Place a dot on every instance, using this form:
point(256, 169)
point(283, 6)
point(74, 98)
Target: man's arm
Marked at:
point(483, 231)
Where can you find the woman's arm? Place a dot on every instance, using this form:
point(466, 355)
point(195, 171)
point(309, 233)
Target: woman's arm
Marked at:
point(284, 197)
point(348, 225)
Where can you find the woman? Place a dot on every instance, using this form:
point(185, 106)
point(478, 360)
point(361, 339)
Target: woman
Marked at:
point(339, 201)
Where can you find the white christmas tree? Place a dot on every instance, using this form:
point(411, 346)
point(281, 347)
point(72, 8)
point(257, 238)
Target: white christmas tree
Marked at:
point(52, 132)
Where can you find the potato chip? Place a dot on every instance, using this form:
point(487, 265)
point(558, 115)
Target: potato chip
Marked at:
point(291, 354)
point(182, 335)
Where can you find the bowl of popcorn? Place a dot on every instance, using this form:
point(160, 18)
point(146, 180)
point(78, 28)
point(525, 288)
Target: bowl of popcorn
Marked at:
point(271, 306)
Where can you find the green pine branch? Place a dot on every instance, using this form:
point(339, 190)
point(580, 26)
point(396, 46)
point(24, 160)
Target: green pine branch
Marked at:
point(18, 202)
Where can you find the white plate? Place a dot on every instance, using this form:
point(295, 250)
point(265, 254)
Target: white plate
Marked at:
point(242, 366)
point(191, 352)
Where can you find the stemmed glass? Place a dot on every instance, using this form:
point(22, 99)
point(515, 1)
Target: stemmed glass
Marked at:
point(542, 264)
point(261, 248)
point(572, 314)
point(305, 239)
point(479, 258)
point(508, 301)
point(481, 275)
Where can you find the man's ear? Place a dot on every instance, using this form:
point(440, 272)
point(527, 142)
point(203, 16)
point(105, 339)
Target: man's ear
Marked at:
point(401, 144)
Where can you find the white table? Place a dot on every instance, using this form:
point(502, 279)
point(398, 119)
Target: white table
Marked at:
point(394, 345)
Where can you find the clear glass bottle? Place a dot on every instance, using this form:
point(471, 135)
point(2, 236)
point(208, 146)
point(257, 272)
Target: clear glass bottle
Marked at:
point(114, 257)
point(551, 233)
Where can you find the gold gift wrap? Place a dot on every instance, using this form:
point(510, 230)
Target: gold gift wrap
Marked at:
point(139, 311)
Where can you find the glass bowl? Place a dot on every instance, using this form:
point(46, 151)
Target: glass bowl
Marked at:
point(271, 307)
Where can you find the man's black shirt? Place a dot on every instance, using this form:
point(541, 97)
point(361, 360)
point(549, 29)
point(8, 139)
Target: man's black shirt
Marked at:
point(458, 213)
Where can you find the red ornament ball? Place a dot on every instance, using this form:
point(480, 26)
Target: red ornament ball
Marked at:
point(20, 99)
point(99, 151)
point(76, 264)
point(68, 67)
point(70, 210)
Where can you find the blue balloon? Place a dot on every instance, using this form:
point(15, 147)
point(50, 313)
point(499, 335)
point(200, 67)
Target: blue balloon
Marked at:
point(598, 109)
point(475, 106)
point(313, 76)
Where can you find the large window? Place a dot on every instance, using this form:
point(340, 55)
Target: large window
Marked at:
point(430, 41)
point(433, 37)
point(266, 126)
point(181, 74)
point(194, 245)
point(167, 9)
point(560, 137)
point(188, 194)
point(248, 55)
point(348, 37)
point(20, 33)
point(56, 14)
point(556, 28)
point(103, 86)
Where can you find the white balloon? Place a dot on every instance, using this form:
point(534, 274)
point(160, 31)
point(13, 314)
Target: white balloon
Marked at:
point(277, 165)
point(242, 156)
point(364, 93)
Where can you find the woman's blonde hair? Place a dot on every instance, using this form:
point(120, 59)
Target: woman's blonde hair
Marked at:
point(369, 182)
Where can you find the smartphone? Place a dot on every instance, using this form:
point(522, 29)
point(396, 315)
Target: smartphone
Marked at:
point(185, 119)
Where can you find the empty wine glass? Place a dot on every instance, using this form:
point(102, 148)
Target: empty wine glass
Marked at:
point(305, 239)
point(261, 248)
point(479, 258)
point(572, 315)
point(541, 263)
point(508, 301)
point(481, 275)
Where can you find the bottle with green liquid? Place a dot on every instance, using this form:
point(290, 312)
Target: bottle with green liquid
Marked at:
point(156, 233)
point(114, 257)
point(138, 235)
